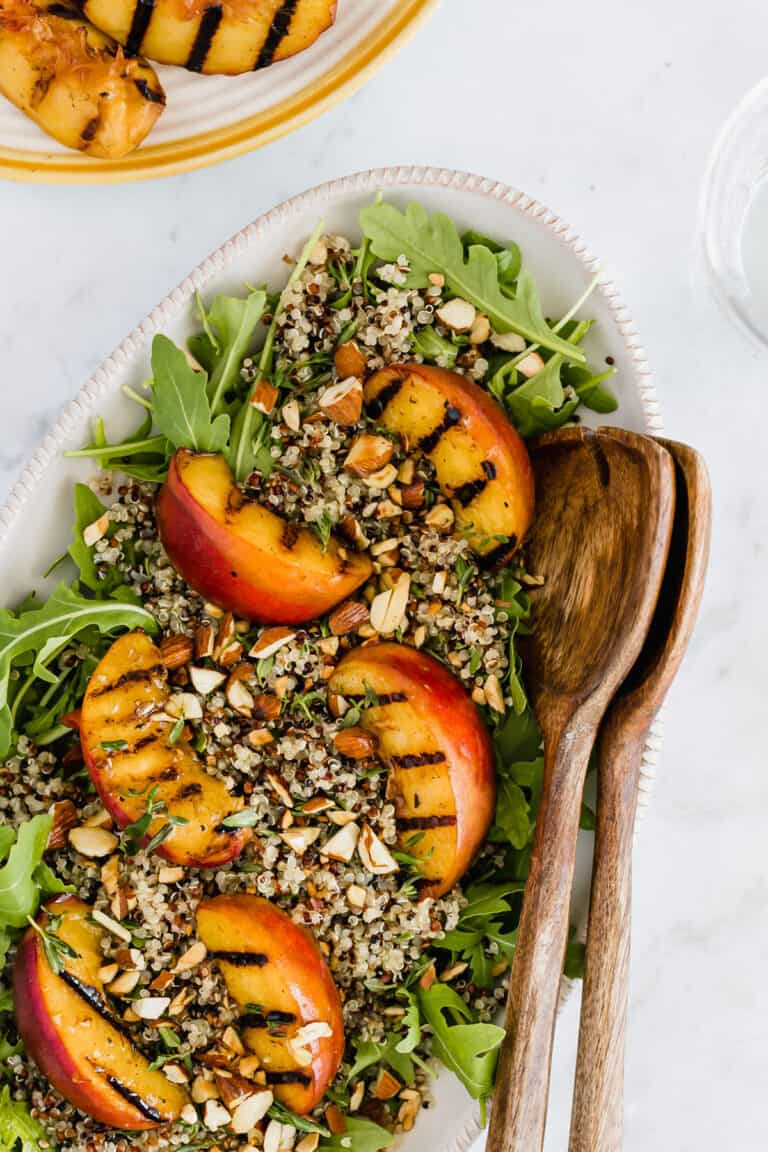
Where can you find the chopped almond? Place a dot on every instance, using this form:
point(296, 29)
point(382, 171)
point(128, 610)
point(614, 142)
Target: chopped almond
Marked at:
point(348, 360)
point(355, 743)
point(386, 1086)
point(264, 397)
point(368, 455)
point(270, 641)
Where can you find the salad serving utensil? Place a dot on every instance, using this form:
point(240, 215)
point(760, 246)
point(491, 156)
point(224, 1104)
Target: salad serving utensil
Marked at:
point(601, 534)
point(598, 1103)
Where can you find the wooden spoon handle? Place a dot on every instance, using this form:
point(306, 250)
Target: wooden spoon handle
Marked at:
point(519, 1111)
point(597, 1117)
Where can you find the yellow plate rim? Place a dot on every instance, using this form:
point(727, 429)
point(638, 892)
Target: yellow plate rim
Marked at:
point(206, 148)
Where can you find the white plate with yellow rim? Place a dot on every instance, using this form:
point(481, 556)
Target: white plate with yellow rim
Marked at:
point(35, 522)
point(212, 118)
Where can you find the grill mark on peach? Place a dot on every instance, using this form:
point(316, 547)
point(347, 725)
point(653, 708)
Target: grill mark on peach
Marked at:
point(193, 789)
point(424, 823)
point(206, 31)
point(151, 94)
point(281, 23)
point(242, 959)
point(136, 1100)
point(170, 773)
point(289, 536)
point(429, 442)
point(135, 676)
point(272, 1019)
point(384, 398)
point(467, 492)
point(94, 1000)
point(417, 760)
point(291, 1077)
point(142, 14)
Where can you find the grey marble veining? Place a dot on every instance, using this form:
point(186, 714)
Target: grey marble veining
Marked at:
point(607, 114)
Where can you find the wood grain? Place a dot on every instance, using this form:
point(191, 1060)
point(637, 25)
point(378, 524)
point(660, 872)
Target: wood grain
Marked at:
point(598, 1103)
point(601, 534)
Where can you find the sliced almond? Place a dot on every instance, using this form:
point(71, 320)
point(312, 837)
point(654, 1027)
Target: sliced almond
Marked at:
point(439, 581)
point(279, 787)
point(108, 973)
point(457, 314)
point(64, 818)
point(531, 365)
point(419, 635)
point(205, 640)
point(309, 1142)
point(192, 957)
point(347, 617)
point(230, 654)
point(343, 401)
point(382, 478)
point(337, 705)
point(440, 517)
point(179, 1002)
point(270, 641)
point(168, 875)
point(355, 743)
point(99, 819)
point(231, 1040)
point(124, 984)
point(388, 608)
point(348, 360)
point(291, 415)
point(176, 651)
point(96, 531)
point(239, 697)
point(508, 341)
point(334, 1118)
point(215, 1115)
point(299, 839)
point(412, 495)
point(427, 978)
point(203, 1090)
point(368, 454)
point(95, 843)
point(176, 1073)
point(374, 854)
point(386, 1086)
point(382, 546)
point(481, 329)
point(342, 844)
point(493, 693)
point(264, 397)
point(259, 737)
point(340, 817)
point(356, 897)
point(206, 680)
point(151, 1007)
point(189, 1114)
point(247, 1114)
point(273, 1137)
point(453, 972)
point(249, 1066)
point(316, 805)
point(186, 705)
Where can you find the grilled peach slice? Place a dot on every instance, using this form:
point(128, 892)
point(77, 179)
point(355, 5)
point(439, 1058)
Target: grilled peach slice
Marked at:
point(70, 1032)
point(73, 80)
point(240, 555)
point(482, 464)
point(127, 745)
point(233, 37)
point(431, 735)
point(276, 974)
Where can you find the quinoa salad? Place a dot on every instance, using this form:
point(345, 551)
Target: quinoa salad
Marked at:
point(269, 774)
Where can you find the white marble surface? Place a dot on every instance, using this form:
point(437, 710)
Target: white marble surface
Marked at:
point(606, 113)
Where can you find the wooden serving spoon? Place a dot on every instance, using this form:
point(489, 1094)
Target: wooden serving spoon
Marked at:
point(601, 532)
point(598, 1103)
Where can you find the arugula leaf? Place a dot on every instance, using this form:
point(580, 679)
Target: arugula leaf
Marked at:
point(468, 1048)
point(19, 891)
point(88, 508)
point(543, 402)
point(48, 882)
point(589, 388)
point(229, 329)
point(433, 245)
point(574, 960)
point(412, 1025)
point(140, 454)
point(7, 837)
point(182, 410)
point(359, 1136)
point(427, 342)
point(279, 1112)
point(512, 823)
point(46, 631)
point(19, 1132)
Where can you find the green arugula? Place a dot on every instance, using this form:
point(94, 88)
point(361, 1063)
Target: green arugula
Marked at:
point(279, 1112)
point(468, 1048)
point(229, 329)
point(45, 632)
point(25, 880)
point(359, 1136)
point(434, 245)
point(427, 342)
point(88, 508)
point(19, 1132)
point(183, 413)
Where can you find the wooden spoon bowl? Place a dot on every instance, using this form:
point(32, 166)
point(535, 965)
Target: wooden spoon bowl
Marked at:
point(605, 503)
